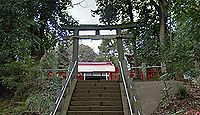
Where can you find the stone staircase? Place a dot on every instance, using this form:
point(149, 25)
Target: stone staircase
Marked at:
point(96, 97)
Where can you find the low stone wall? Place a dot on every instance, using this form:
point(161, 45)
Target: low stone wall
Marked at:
point(149, 94)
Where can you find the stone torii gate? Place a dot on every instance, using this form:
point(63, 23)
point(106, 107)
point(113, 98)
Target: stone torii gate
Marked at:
point(119, 36)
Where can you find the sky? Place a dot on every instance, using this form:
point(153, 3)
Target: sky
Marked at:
point(82, 13)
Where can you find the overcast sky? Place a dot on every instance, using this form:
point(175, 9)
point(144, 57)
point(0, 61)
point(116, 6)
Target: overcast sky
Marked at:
point(82, 13)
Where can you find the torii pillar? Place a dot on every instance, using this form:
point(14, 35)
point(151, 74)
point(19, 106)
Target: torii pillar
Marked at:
point(75, 51)
point(124, 65)
point(120, 46)
point(120, 51)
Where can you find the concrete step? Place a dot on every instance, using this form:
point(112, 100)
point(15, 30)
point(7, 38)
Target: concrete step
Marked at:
point(95, 103)
point(89, 82)
point(108, 81)
point(96, 90)
point(98, 84)
point(96, 98)
point(95, 108)
point(95, 112)
point(97, 87)
point(96, 95)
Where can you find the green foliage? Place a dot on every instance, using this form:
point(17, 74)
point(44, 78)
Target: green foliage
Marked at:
point(15, 39)
point(145, 45)
point(39, 94)
point(101, 58)
point(14, 74)
point(156, 77)
point(17, 78)
point(183, 55)
point(16, 108)
point(49, 60)
point(181, 92)
point(179, 36)
point(110, 11)
point(31, 27)
point(107, 50)
point(44, 94)
point(28, 29)
point(63, 55)
point(86, 53)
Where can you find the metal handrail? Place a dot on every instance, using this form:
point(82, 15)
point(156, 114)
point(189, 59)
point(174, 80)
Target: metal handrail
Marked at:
point(55, 69)
point(58, 100)
point(139, 67)
point(126, 90)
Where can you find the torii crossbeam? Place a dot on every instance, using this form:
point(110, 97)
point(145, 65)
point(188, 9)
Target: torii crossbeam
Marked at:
point(119, 36)
point(97, 28)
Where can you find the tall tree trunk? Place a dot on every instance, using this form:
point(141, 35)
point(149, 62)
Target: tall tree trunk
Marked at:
point(39, 50)
point(161, 8)
point(130, 13)
point(136, 70)
point(130, 10)
point(162, 35)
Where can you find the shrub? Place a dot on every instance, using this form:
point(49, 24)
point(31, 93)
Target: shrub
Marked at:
point(181, 92)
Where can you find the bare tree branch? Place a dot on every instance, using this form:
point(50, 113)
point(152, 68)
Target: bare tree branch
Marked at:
point(79, 3)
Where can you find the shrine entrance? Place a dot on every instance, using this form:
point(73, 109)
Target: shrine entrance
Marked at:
point(97, 28)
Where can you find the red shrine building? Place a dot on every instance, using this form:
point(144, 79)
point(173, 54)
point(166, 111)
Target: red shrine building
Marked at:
point(102, 71)
point(97, 71)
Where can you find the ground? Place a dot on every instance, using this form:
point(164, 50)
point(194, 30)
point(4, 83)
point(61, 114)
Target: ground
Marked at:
point(186, 105)
point(182, 99)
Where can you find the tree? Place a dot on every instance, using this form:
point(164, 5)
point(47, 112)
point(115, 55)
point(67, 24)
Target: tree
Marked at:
point(50, 16)
point(15, 41)
point(184, 54)
point(28, 29)
point(107, 50)
point(145, 45)
point(34, 25)
point(85, 53)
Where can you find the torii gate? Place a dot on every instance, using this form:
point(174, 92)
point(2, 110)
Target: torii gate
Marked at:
point(119, 36)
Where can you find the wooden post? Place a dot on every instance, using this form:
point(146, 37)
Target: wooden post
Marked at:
point(144, 71)
point(163, 67)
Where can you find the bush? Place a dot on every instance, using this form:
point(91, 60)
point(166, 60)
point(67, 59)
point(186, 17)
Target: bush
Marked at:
point(181, 92)
point(16, 76)
point(44, 93)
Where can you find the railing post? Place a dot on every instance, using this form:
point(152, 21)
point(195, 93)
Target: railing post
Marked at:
point(144, 71)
